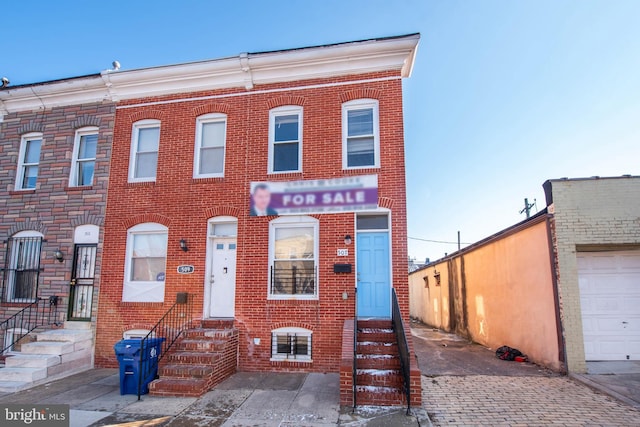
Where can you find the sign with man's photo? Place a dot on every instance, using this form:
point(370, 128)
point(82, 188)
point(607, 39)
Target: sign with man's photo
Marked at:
point(345, 194)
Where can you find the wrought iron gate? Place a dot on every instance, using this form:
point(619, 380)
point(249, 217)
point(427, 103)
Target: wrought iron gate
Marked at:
point(82, 278)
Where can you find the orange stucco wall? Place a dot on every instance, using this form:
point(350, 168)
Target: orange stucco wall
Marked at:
point(496, 293)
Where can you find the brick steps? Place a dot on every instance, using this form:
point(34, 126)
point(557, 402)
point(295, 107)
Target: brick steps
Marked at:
point(378, 377)
point(202, 358)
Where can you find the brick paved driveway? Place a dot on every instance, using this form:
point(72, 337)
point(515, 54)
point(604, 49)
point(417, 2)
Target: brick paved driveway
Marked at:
point(462, 385)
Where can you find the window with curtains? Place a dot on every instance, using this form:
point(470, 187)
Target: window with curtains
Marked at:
point(285, 139)
point(84, 157)
point(293, 248)
point(360, 134)
point(291, 344)
point(145, 263)
point(28, 161)
point(143, 160)
point(210, 146)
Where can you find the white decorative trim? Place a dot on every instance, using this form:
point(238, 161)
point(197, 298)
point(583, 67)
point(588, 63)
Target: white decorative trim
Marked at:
point(243, 71)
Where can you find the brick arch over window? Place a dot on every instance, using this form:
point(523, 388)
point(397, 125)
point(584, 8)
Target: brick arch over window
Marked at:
point(385, 202)
point(146, 114)
point(32, 126)
point(222, 211)
point(147, 217)
point(27, 225)
point(360, 93)
point(87, 218)
point(302, 325)
point(85, 120)
point(286, 100)
point(213, 107)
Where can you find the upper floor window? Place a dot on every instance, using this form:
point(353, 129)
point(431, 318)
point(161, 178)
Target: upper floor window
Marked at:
point(211, 132)
point(293, 250)
point(285, 139)
point(84, 157)
point(145, 263)
point(360, 134)
point(143, 161)
point(28, 161)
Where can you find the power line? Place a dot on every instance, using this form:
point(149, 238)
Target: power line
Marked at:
point(437, 241)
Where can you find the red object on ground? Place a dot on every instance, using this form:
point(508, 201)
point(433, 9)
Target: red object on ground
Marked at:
point(520, 359)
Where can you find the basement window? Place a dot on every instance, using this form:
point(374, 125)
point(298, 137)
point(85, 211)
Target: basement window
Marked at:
point(292, 344)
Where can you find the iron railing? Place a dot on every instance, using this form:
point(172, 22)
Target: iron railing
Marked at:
point(403, 347)
point(155, 345)
point(293, 281)
point(354, 372)
point(41, 312)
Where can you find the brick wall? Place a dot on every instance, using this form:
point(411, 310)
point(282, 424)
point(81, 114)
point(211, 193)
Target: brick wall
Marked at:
point(53, 208)
point(589, 214)
point(184, 205)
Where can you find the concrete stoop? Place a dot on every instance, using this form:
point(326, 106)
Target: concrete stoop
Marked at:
point(201, 359)
point(55, 354)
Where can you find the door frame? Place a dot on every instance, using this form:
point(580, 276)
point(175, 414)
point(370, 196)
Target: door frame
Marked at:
point(206, 306)
point(388, 230)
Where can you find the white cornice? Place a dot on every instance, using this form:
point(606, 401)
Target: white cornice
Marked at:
point(244, 71)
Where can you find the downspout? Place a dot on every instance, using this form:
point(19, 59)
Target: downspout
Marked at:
point(562, 347)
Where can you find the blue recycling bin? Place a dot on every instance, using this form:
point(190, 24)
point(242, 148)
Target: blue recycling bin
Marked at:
point(129, 354)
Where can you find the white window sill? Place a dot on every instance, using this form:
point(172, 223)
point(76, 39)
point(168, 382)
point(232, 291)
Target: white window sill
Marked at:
point(282, 359)
point(292, 297)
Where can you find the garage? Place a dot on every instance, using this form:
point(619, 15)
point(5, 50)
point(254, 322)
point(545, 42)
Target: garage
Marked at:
point(610, 302)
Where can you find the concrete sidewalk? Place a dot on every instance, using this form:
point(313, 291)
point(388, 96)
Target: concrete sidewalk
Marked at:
point(245, 399)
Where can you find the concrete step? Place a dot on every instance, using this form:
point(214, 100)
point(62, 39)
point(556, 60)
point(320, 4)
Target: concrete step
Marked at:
point(76, 325)
point(13, 386)
point(66, 335)
point(48, 347)
point(22, 374)
point(179, 387)
point(376, 334)
point(213, 334)
point(32, 360)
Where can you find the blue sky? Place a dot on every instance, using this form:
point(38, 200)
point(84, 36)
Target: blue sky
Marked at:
point(504, 94)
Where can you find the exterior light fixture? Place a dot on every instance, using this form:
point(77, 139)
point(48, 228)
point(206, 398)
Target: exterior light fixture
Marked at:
point(183, 245)
point(58, 255)
point(347, 239)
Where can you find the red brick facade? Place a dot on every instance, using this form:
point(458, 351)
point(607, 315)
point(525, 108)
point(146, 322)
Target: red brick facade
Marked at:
point(184, 205)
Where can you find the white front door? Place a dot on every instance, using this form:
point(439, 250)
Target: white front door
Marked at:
point(222, 280)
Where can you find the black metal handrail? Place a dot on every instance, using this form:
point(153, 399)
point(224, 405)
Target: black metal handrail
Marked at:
point(41, 312)
point(403, 347)
point(161, 337)
point(355, 346)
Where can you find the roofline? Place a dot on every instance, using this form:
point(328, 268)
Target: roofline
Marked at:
point(548, 191)
point(396, 53)
point(533, 220)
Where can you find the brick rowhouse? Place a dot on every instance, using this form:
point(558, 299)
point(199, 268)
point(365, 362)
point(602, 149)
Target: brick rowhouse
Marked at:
point(278, 331)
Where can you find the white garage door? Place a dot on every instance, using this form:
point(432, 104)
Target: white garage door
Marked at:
point(610, 300)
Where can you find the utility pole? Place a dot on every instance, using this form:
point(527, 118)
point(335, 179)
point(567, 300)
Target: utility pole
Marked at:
point(458, 239)
point(528, 206)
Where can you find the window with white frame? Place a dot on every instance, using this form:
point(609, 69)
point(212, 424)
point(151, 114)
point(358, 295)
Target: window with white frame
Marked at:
point(143, 161)
point(291, 344)
point(20, 283)
point(84, 157)
point(285, 139)
point(145, 263)
point(293, 249)
point(28, 161)
point(360, 134)
point(209, 155)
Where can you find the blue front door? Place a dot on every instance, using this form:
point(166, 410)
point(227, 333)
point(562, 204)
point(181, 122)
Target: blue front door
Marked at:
point(374, 286)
